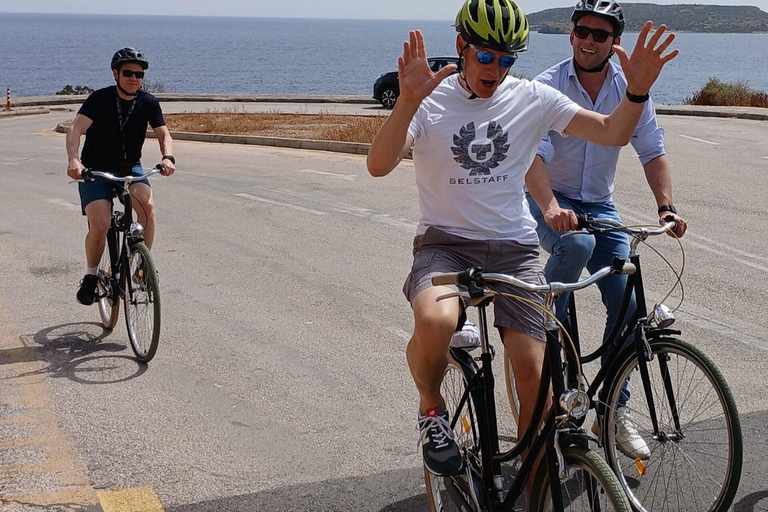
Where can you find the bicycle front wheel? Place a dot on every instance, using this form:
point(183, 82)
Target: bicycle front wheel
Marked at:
point(589, 485)
point(142, 303)
point(693, 463)
point(109, 299)
point(453, 493)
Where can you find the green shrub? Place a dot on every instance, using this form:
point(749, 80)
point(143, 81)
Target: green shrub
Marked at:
point(78, 89)
point(728, 94)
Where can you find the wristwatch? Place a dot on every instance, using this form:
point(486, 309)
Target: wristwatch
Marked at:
point(667, 208)
point(638, 98)
point(170, 157)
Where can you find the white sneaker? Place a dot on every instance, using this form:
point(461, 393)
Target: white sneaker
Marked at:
point(628, 439)
point(468, 338)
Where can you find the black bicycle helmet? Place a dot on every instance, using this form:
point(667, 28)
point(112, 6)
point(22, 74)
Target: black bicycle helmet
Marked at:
point(604, 8)
point(126, 55)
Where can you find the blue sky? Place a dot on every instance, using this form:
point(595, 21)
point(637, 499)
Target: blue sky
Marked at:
point(389, 9)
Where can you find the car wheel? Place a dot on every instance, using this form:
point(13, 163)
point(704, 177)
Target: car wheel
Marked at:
point(388, 98)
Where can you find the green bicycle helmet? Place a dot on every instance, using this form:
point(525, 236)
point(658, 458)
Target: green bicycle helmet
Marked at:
point(499, 25)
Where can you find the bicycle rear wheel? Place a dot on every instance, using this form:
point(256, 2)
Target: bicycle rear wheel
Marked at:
point(109, 299)
point(694, 468)
point(453, 494)
point(590, 485)
point(142, 303)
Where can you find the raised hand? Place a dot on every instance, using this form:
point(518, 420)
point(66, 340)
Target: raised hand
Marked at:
point(417, 81)
point(642, 68)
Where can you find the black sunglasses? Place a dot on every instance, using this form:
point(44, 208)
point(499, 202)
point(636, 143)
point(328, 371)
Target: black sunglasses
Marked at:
point(127, 73)
point(599, 35)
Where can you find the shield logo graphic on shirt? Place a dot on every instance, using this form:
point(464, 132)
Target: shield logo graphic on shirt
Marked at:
point(480, 155)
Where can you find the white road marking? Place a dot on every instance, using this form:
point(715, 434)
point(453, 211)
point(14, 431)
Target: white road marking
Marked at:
point(65, 204)
point(355, 211)
point(10, 163)
point(729, 327)
point(766, 157)
point(278, 203)
point(347, 177)
point(707, 244)
point(701, 140)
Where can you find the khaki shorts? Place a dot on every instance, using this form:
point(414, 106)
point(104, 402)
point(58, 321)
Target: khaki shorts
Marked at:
point(437, 251)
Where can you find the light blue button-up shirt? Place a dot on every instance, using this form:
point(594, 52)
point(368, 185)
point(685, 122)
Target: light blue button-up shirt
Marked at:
point(582, 170)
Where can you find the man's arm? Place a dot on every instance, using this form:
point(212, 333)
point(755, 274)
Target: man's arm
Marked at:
point(641, 69)
point(392, 141)
point(660, 180)
point(417, 81)
point(537, 181)
point(79, 126)
point(166, 148)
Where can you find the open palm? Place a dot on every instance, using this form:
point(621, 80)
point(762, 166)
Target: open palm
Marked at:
point(417, 80)
point(643, 67)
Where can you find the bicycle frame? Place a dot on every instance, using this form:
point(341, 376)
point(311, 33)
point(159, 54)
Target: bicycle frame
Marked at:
point(122, 223)
point(617, 341)
point(481, 384)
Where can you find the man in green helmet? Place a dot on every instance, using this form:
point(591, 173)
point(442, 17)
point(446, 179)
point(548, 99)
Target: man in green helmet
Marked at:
point(474, 135)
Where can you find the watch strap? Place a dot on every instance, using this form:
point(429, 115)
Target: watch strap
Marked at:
point(667, 208)
point(638, 98)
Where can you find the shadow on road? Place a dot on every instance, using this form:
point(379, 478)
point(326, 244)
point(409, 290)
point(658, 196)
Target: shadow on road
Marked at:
point(75, 351)
point(393, 491)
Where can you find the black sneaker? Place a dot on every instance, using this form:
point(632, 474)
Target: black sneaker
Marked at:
point(441, 455)
point(86, 295)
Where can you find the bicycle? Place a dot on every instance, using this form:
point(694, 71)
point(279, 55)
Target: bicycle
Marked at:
point(680, 405)
point(570, 475)
point(127, 272)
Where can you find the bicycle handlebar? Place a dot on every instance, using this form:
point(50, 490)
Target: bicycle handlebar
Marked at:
point(598, 225)
point(474, 276)
point(89, 174)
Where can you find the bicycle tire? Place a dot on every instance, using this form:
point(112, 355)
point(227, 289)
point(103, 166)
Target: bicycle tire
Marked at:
point(697, 471)
point(585, 469)
point(109, 302)
point(439, 499)
point(142, 303)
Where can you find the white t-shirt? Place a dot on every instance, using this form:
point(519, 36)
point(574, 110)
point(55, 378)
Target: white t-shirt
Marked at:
point(471, 156)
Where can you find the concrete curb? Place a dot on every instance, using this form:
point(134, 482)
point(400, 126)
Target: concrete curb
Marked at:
point(24, 112)
point(230, 98)
point(354, 148)
point(750, 113)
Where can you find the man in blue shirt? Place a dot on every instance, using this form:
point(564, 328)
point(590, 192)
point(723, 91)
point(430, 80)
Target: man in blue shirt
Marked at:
point(571, 176)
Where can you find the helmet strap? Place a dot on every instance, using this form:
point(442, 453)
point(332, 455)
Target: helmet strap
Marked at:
point(462, 76)
point(117, 82)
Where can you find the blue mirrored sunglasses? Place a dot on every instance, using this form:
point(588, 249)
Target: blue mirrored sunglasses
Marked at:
point(483, 57)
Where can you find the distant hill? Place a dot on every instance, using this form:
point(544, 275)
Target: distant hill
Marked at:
point(680, 17)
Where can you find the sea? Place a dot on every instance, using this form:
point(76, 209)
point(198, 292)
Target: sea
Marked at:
point(41, 53)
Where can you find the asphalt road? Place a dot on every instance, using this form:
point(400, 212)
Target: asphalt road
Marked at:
point(280, 383)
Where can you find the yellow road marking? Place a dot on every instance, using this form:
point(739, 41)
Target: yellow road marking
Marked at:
point(134, 499)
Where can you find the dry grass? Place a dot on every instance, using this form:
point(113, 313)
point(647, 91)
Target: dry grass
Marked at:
point(296, 126)
point(728, 94)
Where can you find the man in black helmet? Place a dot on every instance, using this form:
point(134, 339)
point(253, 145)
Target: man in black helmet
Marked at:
point(114, 121)
point(582, 173)
point(474, 136)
